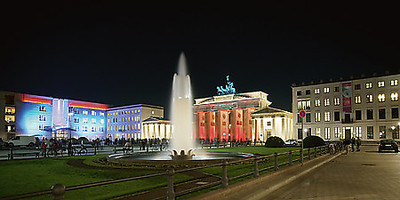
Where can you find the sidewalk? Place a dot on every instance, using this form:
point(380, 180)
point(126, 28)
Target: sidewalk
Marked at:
point(264, 185)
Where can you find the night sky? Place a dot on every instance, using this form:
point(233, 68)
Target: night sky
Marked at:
point(120, 52)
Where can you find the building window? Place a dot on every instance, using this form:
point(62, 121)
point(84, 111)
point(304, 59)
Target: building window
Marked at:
point(42, 118)
point(85, 112)
point(84, 128)
point(370, 114)
point(93, 121)
point(101, 121)
point(358, 132)
point(326, 90)
point(326, 102)
point(395, 113)
point(370, 98)
point(93, 129)
point(94, 113)
point(394, 96)
point(370, 132)
point(85, 120)
point(9, 110)
point(358, 115)
point(381, 97)
point(357, 99)
point(336, 101)
point(368, 85)
point(317, 117)
point(316, 91)
point(308, 92)
point(337, 133)
point(336, 89)
point(317, 102)
point(299, 119)
point(301, 105)
point(394, 82)
point(76, 120)
point(42, 108)
point(382, 132)
point(357, 87)
point(9, 118)
point(41, 127)
point(327, 116)
point(327, 133)
point(336, 116)
point(381, 84)
point(299, 93)
point(308, 117)
point(101, 114)
point(318, 131)
point(382, 113)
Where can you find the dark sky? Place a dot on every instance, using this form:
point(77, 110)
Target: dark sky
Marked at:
point(120, 52)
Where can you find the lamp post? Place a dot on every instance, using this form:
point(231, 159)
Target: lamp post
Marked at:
point(70, 115)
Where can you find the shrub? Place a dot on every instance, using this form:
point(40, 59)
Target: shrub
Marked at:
point(274, 142)
point(313, 141)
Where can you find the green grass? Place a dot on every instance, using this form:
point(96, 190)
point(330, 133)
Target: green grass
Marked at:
point(258, 150)
point(26, 176)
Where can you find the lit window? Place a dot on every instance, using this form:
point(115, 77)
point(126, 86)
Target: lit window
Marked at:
point(368, 85)
point(316, 91)
point(337, 132)
point(369, 98)
point(327, 116)
point(394, 96)
point(326, 90)
point(327, 133)
point(326, 102)
point(394, 82)
point(135, 111)
point(317, 103)
point(42, 108)
point(76, 120)
point(93, 121)
point(336, 101)
point(85, 120)
point(381, 84)
point(381, 97)
point(138, 111)
point(318, 131)
point(357, 99)
point(317, 117)
point(85, 112)
point(84, 128)
point(94, 113)
point(9, 110)
point(101, 114)
point(10, 118)
point(42, 118)
point(152, 112)
point(41, 127)
point(358, 131)
point(93, 129)
point(304, 104)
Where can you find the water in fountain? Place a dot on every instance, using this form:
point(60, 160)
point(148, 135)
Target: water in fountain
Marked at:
point(182, 110)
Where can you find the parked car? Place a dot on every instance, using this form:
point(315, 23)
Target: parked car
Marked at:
point(291, 142)
point(388, 145)
point(21, 141)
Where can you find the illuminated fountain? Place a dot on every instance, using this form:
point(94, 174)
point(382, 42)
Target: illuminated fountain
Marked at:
point(182, 114)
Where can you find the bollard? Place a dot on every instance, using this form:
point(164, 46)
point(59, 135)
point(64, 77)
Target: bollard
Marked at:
point(58, 191)
point(276, 161)
point(315, 152)
point(95, 150)
point(224, 180)
point(290, 158)
point(256, 172)
point(115, 149)
point(301, 156)
point(170, 190)
point(309, 155)
point(12, 153)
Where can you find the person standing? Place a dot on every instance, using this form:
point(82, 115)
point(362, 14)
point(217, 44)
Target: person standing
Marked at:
point(353, 142)
point(358, 143)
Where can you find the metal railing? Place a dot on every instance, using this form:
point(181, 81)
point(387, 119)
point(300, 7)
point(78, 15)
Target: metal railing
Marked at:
point(271, 162)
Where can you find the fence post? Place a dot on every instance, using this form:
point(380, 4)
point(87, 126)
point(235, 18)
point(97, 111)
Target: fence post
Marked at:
point(290, 158)
point(58, 191)
point(115, 149)
point(224, 180)
point(309, 156)
point(320, 151)
point(95, 150)
point(301, 156)
point(170, 190)
point(276, 161)
point(315, 152)
point(256, 172)
point(12, 153)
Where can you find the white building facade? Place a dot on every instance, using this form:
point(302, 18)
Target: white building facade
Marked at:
point(365, 107)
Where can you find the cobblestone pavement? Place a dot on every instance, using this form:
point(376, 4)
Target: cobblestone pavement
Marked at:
point(358, 175)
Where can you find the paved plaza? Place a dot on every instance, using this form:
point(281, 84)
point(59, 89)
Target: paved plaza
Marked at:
point(359, 175)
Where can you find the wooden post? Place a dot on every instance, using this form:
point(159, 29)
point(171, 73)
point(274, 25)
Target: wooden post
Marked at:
point(224, 180)
point(256, 171)
point(58, 191)
point(290, 158)
point(276, 161)
point(170, 190)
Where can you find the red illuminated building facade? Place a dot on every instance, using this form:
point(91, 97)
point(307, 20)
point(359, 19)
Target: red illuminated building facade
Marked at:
point(228, 117)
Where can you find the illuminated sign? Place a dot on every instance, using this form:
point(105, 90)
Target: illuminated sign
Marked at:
point(36, 99)
point(87, 105)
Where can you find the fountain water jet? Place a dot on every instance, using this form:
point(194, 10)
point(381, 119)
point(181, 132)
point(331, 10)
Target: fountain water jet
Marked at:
point(182, 113)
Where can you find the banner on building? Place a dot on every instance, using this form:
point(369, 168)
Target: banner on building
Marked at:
point(346, 97)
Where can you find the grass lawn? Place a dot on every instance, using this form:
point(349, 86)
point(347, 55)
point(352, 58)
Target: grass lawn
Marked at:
point(25, 176)
point(258, 150)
